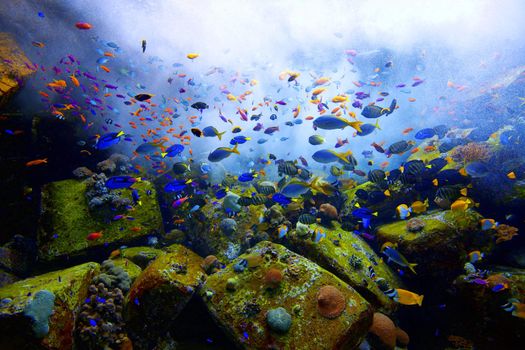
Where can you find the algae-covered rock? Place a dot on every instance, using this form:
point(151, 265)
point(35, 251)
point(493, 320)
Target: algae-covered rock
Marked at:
point(141, 256)
point(13, 68)
point(443, 243)
point(17, 316)
point(349, 257)
point(248, 313)
point(160, 293)
point(132, 269)
point(67, 220)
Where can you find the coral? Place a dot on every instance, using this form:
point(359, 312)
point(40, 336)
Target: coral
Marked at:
point(383, 331)
point(232, 251)
point(328, 211)
point(330, 302)
point(39, 309)
point(505, 233)
point(473, 151)
point(273, 278)
point(232, 284)
point(302, 230)
point(356, 262)
point(498, 278)
point(98, 194)
point(415, 225)
point(210, 264)
point(122, 162)
point(106, 166)
point(113, 277)
point(228, 226)
point(229, 204)
point(100, 323)
point(279, 320)
point(402, 338)
point(240, 266)
point(82, 172)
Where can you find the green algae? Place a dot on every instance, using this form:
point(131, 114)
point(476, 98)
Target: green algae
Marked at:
point(67, 220)
point(243, 311)
point(131, 269)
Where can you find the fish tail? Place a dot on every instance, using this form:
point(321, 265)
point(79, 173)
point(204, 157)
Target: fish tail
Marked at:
point(235, 150)
point(219, 135)
point(44, 160)
point(163, 154)
point(420, 300)
point(120, 133)
point(411, 267)
point(377, 125)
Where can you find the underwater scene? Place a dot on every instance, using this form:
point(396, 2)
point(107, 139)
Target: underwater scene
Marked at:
point(262, 174)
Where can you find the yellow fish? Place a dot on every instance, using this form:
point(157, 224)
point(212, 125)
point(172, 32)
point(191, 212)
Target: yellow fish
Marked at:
point(340, 98)
point(318, 91)
point(419, 207)
point(511, 175)
point(231, 97)
point(192, 56)
point(406, 297)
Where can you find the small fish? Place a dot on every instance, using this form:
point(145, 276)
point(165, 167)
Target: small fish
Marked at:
point(282, 231)
point(487, 224)
point(475, 256)
point(177, 203)
point(143, 43)
point(94, 236)
point(192, 56)
point(124, 181)
point(37, 162)
point(83, 25)
point(397, 257)
point(403, 211)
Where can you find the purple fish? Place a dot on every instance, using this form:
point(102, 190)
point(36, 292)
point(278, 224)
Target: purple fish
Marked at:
point(357, 104)
point(258, 127)
point(400, 86)
point(112, 87)
point(281, 102)
point(120, 96)
point(480, 281)
point(181, 91)
point(271, 130)
point(418, 82)
point(89, 76)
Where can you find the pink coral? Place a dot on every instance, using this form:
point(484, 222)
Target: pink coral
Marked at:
point(330, 302)
point(473, 151)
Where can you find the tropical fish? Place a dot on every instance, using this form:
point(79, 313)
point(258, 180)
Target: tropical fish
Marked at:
point(210, 131)
point(94, 236)
point(328, 156)
point(331, 122)
point(173, 151)
point(395, 256)
point(475, 256)
point(83, 25)
point(124, 181)
point(406, 297)
point(222, 153)
point(403, 211)
point(316, 140)
point(37, 162)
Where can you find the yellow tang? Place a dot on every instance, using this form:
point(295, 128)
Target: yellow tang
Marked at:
point(406, 297)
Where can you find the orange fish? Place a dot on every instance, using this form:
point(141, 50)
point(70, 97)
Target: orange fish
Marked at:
point(384, 165)
point(74, 80)
point(43, 94)
point(37, 162)
point(407, 130)
point(309, 118)
point(415, 150)
point(511, 175)
point(114, 254)
point(136, 229)
point(94, 236)
point(429, 149)
point(109, 54)
point(411, 99)
point(106, 69)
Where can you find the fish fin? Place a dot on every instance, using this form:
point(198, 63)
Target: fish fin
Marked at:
point(120, 133)
point(411, 267)
point(163, 154)
point(235, 150)
point(219, 135)
point(377, 125)
point(420, 300)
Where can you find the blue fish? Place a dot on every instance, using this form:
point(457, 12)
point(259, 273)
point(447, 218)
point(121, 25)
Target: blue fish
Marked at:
point(239, 140)
point(367, 129)
point(108, 140)
point(175, 186)
point(172, 151)
point(281, 199)
point(425, 133)
point(136, 197)
point(117, 182)
point(247, 177)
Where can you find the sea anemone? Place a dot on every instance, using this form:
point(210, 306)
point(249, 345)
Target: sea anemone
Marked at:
point(383, 331)
point(330, 302)
point(273, 278)
point(505, 233)
point(415, 225)
point(473, 151)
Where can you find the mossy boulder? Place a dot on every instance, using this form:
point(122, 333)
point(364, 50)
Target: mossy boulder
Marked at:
point(69, 286)
point(240, 302)
point(349, 257)
point(13, 67)
point(444, 242)
point(141, 256)
point(160, 293)
point(67, 220)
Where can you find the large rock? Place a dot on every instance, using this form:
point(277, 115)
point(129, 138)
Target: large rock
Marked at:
point(160, 293)
point(14, 67)
point(443, 243)
point(67, 221)
point(141, 256)
point(278, 278)
point(350, 258)
point(69, 287)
